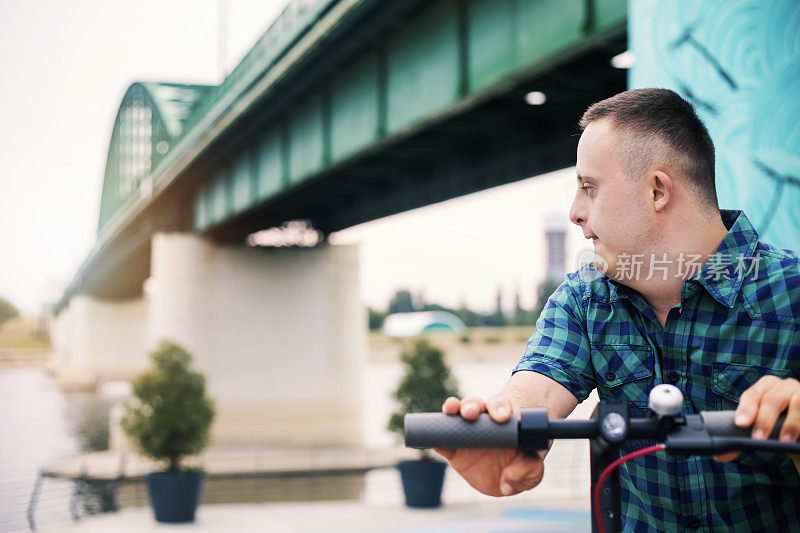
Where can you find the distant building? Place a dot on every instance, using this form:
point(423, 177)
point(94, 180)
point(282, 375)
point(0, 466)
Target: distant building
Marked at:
point(555, 231)
point(413, 324)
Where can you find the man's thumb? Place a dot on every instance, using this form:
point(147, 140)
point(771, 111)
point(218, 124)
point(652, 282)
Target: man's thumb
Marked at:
point(521, 474)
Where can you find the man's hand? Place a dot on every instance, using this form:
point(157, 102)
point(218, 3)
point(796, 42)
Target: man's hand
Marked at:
point(760, 406)
point(492, 471)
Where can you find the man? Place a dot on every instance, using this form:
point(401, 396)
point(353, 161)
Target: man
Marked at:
point(689, 297)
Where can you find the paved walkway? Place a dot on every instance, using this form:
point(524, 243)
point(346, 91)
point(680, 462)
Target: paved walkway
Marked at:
point(559, 504)
point(345, 517)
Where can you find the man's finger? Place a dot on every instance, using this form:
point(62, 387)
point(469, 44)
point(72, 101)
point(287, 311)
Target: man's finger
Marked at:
point(472, 407)
point(725, 457)
point(451, 406)
point(499, 408)
point(749, 403)
point(773, 402)
point(521, 474)
point(751, 399)
point(791, 425)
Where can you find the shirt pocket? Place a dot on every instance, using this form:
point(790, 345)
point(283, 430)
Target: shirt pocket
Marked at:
point(624, 373)
point(729, 381)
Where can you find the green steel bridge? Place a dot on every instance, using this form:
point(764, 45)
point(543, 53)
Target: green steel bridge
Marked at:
point(346, 111)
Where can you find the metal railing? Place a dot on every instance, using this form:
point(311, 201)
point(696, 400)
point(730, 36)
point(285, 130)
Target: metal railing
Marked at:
point(32, 501)
point(295, 19)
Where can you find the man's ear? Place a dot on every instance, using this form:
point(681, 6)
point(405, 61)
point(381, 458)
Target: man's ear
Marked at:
point(661, 186)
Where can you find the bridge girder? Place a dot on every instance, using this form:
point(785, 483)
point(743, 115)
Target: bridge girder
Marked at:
point(375, 107)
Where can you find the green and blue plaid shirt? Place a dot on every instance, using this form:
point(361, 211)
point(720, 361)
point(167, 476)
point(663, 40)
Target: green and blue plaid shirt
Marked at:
point(733, 326)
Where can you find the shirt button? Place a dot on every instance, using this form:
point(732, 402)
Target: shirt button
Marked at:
point(610, 375)
point(673, 377)
point(693, 522)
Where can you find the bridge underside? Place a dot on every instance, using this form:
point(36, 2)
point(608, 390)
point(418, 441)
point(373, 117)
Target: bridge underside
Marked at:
point(310, 146)
point(499, 141)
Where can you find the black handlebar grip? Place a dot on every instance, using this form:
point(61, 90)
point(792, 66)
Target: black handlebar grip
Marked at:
point(720, 424)
point(438, 430)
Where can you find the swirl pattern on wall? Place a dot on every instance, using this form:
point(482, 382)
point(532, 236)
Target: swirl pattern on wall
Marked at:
point(738, 63)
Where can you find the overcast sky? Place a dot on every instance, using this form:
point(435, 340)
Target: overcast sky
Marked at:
point(66, 66)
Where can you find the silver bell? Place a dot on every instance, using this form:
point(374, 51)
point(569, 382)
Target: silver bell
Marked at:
point(666, 400)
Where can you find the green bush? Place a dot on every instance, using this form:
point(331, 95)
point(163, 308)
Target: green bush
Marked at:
point(376, 319)
point(7, 310)
point(426, 385)
point(172, 415)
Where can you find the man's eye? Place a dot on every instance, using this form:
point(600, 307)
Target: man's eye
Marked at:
point(585, 188)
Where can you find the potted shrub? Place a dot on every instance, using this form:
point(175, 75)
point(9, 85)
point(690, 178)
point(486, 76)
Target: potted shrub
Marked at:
point(426, 385)
point(170, 419)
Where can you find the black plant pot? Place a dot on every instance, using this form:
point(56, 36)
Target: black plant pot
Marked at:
point(174, 497)
point(422, 482)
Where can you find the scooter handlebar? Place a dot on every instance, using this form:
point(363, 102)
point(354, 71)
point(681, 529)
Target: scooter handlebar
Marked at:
point(720, 433)
point(438, 430)
point(721, 424)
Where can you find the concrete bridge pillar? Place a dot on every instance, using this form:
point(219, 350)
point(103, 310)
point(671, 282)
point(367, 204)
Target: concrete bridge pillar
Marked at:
point(279, 333)
point(98, 340)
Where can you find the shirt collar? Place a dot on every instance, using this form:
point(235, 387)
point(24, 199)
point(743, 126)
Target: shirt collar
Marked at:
point(721, 275)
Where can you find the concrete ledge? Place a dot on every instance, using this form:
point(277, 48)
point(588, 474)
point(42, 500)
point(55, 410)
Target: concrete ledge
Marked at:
point(233, 462)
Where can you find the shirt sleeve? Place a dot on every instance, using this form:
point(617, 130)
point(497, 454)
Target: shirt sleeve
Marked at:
point(559, 347)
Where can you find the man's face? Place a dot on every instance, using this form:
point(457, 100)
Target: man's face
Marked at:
point(614, 211)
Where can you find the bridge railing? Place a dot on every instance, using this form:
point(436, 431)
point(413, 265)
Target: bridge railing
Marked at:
point(296, 18)
point(294, 21)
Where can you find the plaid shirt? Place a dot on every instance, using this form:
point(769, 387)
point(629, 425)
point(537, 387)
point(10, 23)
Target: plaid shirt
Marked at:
point(733, 326)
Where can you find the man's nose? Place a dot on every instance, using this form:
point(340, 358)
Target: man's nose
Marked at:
point(577, 212)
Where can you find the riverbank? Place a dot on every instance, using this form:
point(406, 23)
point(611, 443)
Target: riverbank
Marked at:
point(475, 345)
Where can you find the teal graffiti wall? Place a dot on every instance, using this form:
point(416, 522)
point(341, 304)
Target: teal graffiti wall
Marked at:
point(738, 62)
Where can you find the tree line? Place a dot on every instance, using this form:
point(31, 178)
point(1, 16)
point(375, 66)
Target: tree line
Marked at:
point(404, 301)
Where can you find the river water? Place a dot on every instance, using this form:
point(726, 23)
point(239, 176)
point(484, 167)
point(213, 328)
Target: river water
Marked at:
point(39, 423)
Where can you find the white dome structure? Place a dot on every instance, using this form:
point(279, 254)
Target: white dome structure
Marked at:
point(417, 323)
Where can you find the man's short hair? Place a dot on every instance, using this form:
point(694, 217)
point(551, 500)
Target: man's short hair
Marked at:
point(658, 123)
